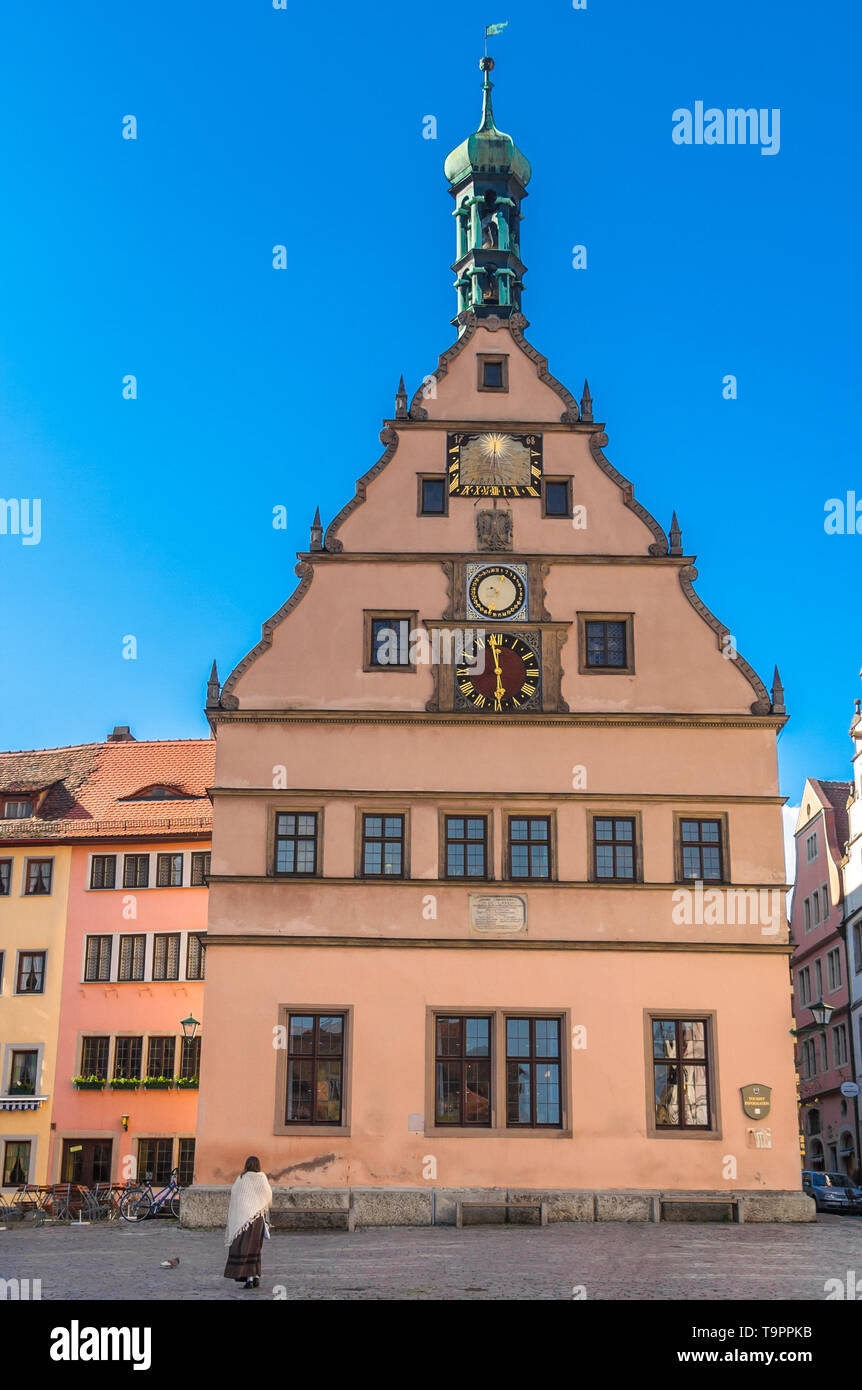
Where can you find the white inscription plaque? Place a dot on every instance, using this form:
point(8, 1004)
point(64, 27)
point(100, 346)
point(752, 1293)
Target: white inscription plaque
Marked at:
point(496, 912)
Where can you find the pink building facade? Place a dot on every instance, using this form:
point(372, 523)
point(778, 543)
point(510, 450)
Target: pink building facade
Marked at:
point(470, 789)
point(819, 965)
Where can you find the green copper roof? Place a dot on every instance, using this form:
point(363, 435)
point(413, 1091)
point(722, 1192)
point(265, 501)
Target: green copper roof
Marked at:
point(489, 151)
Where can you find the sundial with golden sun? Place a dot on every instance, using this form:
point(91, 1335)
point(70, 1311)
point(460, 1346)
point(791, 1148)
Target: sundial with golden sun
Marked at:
point(494, 464)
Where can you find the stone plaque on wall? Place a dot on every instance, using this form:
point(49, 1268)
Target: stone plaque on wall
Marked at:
point(497, 912)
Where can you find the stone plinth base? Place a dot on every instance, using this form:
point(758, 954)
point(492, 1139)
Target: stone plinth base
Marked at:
point(328, 1207)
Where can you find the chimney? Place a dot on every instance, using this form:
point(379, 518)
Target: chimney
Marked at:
point(121, 734)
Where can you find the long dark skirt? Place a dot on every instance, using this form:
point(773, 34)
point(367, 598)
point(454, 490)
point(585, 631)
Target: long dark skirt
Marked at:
point(243, 1258)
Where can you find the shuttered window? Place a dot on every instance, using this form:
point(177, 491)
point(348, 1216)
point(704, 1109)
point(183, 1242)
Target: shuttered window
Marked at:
point(132, 953)
point(97, 962)
point(136, 870)
point(103, 871)
point(166, 956)
point(169, 871)
point(195, 957)
point(200, 867)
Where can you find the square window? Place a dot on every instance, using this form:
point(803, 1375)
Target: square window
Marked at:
point(40, 874)
point(169, 871)
point(31, 973)
point(103, 871)
point(390, 642)
point(529, 847)
point(493, 371)
point(466, 846)
point(383, 846)
point(700, 845)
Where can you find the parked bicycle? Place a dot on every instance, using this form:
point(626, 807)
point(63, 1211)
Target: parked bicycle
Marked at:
point(140, 1202)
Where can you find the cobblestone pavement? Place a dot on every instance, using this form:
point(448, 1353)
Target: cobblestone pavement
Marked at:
point(610, 1261)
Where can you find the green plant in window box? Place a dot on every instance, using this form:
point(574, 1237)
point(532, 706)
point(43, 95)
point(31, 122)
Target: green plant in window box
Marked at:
point(158, 1083)
point(125, 1083)
point(22, 1088)
point(89, 1083)
point(187, 1083)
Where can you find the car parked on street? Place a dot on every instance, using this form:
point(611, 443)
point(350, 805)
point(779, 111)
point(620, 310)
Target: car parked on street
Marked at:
point(833, 1192)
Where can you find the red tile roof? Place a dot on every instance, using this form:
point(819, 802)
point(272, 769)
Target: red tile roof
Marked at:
point(89, 786)
point(835, 794)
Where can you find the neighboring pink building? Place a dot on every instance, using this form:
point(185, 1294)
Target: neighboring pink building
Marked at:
point(125, 1099)
point(819, 967)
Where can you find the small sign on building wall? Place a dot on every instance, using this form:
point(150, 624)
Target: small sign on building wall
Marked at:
point(756, 1100)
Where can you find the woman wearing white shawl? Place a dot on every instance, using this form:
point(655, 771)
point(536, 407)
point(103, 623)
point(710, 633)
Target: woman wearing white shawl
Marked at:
point(250, 1199)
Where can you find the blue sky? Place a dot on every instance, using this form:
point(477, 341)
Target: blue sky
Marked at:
point(256, 388)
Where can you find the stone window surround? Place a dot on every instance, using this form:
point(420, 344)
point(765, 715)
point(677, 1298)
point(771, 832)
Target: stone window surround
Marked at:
point(498, 1128)
point(710, 1018)
point(321, 1132)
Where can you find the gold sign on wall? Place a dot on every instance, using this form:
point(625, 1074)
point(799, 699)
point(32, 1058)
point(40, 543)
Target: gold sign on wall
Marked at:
point(756, 1100)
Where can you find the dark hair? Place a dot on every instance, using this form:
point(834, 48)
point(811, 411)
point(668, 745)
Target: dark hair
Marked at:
point(252, 1164)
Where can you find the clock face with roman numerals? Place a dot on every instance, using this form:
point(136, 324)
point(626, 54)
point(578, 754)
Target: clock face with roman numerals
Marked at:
point(504, 677)
point(494, 464)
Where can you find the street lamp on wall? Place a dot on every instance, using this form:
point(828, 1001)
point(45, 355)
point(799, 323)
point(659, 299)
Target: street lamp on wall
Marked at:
point(191, 1025)
point(821, 1013)
point(124, 1121)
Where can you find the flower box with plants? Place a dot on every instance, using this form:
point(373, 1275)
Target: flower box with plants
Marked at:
point(89, 1083)
point(187, 1083)
point(158, 1083)
point(125, 1083)
point(22, 1088)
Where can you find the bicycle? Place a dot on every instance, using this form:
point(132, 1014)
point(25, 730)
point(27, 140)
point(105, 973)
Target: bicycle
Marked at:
point(140, 1202)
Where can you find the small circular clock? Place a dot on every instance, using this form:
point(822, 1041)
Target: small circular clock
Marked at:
point(505, 675)
point(497, 591)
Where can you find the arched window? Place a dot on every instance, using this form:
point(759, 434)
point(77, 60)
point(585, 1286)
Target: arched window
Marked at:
point(813, 1125)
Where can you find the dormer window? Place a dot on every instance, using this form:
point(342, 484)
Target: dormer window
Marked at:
point(17, 808)
point(160, 792)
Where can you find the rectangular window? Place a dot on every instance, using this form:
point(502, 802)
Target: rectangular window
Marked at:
point(160, 1056)
point(17, 809)
point(166, 956)
point(815, 907)
point(136, 870)
point(40, 873)
point(128, 1054)
point(186, 1162)
point(803, 980)
point(614, 848)
point(466, 846)
point(493, 372)
point(818, 979)
point(22, 1076)
point(196, 957)
point(296, 851)
point(190, 1058)
point(31, 973)
point(530, 847)
point(700, 850)
point(433, 496)
point(383, 846)
point(133, 951)
point(833, 969)
point(806, 913)
point(839, 1045)
point(2, 962)
point(97, 958)
point(169, 871)
point(390, 642)
point(824, 902)
point(557, 497)
point(5, 877)
point(606, 644)
point(857, 947)
point(94, 1057)
point(315, 1069)
point(811, 847)
point(808, 1059)
point(16, 1162)
point(462, 1071)
point(103, 871)
point(533, 1083)
point(200, 867)
point(680, 1073)
point(154, 1161)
